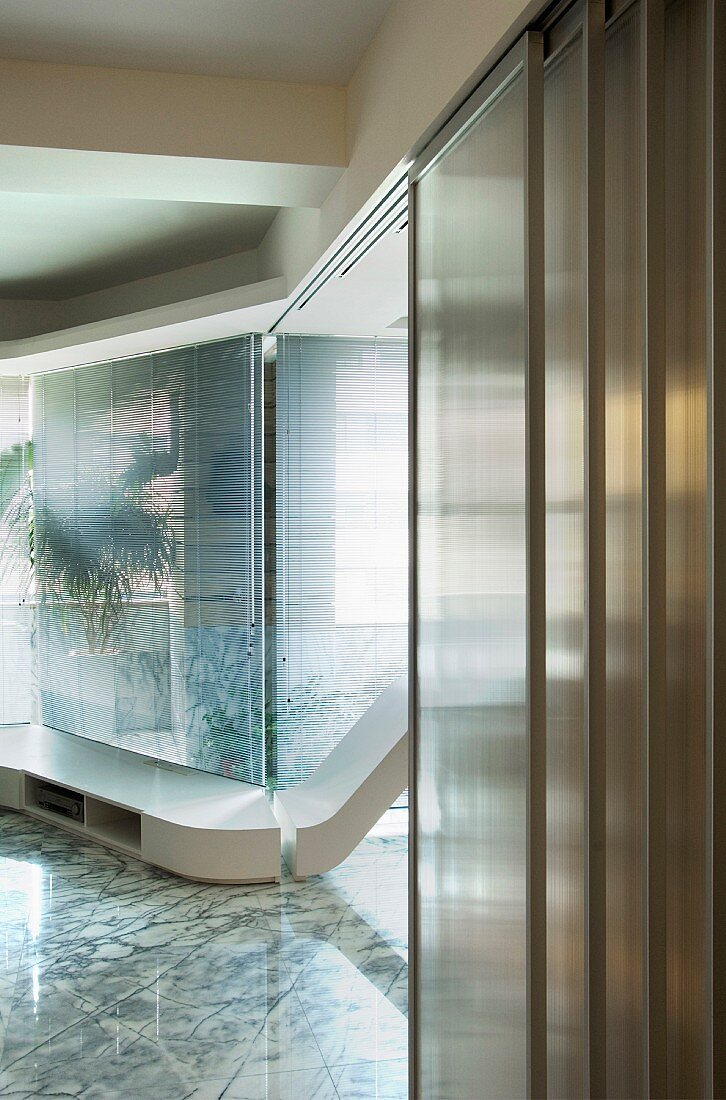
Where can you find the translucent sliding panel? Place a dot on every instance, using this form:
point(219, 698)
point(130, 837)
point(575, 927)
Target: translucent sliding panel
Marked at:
point(624, 553)
point(686, 543)
point(17, 615)
point(342, 538)
point(472, 611)
point(565, 344)
point(716, 757)
point(148, 554)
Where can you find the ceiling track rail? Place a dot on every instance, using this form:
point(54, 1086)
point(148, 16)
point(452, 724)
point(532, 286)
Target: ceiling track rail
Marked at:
point(390, 214)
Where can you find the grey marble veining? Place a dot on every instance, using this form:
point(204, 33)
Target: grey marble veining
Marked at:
point(119, 980)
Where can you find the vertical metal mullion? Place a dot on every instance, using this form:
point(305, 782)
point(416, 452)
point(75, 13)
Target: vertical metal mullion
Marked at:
point(716, 740)
point(654, 532)
point(258, 610)
point(536, 575)
point(251, 610)
point(595, 496)
point(413, 916)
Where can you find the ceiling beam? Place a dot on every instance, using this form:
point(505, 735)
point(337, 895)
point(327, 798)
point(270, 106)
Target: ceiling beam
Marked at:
point(249, 308)
point(82, 107)
point(51, 171)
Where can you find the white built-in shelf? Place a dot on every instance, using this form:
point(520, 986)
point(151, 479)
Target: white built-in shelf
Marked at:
point(201, 826)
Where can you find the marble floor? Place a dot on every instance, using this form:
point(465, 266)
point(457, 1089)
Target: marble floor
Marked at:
point(118, 980)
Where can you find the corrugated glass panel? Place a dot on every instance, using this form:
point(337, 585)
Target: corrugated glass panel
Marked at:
point(624, 560)
point(687, 545)
point(472, 605)
point(564, 196)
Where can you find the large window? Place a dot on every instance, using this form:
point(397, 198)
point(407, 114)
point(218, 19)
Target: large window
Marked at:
point(341, 538)
point(133, 554)
point(147, 505)
point(16, 588)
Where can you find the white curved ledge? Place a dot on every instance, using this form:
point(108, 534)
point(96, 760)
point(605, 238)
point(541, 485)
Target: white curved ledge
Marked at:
point(200, 826)
point(323, 819)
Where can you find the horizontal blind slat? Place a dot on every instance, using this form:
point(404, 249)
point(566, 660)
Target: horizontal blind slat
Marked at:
point(148, 464)
point(16, 613)
point(341, 538)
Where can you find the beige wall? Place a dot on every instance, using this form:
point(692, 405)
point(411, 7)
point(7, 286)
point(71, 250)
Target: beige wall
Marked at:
point(423, 54)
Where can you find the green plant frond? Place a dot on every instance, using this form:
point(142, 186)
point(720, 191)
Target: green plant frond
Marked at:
point(17, 545)
point(114, 544)
point(15, 462)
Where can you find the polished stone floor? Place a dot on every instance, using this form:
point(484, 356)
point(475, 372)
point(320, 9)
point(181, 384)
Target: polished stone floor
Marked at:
point(117, 980)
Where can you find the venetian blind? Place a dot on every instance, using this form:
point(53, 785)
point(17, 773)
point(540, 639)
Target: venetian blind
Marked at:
point(16, 611)
point(148, 547)
point(341, 538)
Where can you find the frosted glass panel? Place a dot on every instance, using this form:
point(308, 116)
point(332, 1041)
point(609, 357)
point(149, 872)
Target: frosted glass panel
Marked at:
point(565, 559)
point(686, 544)
point(632, 779)
point(472, 725)
point(624, 550)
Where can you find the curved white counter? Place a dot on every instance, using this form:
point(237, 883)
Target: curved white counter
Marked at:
point(324, 818)
point(200, 826)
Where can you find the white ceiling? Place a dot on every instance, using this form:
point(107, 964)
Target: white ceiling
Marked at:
point(371, 300)
point(316, 41)
point(59, 246)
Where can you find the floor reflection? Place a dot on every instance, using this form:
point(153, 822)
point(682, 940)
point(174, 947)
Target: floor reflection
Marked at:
point(118, 980)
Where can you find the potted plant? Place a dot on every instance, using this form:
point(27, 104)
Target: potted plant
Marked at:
point(85, 565)
point(16, 550)
point(95, 559)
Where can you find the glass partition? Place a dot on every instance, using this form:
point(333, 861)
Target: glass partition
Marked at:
point(565, 382)
point(471, 563)
point(624, 547)
point(17, 616)
point(342, 538)
point(147, 514)
point(624, 157)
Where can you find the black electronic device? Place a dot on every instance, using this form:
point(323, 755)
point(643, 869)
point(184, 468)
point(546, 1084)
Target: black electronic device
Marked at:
point(60, 800)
